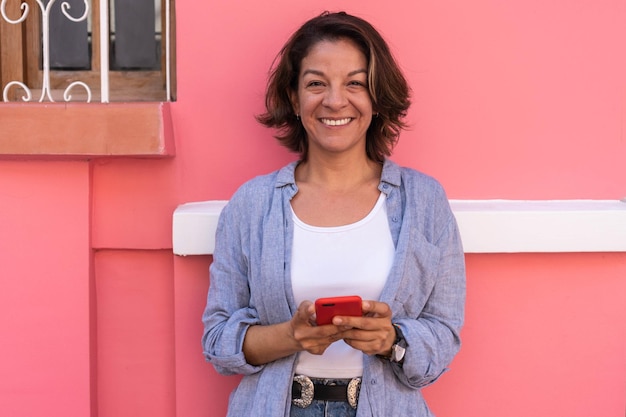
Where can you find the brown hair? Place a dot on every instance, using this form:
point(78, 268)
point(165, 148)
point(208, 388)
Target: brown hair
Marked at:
point(388, 88)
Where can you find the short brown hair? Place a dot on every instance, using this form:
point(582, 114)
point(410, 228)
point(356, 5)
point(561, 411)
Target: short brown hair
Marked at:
point(388, 88)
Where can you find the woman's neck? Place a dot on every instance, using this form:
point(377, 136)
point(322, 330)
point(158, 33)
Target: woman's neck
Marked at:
point(338, 174)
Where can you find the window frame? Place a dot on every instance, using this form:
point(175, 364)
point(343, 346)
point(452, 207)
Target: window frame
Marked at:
point(20, 55)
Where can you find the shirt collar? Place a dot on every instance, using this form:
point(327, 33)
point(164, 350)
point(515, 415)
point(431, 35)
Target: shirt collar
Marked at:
point(287, 175)
point(391, 174)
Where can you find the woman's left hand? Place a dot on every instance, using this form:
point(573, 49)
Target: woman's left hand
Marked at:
point(373, 333)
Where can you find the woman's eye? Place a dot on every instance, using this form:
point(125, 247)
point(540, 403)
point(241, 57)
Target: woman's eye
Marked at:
point(314, 84)
point(357, 83)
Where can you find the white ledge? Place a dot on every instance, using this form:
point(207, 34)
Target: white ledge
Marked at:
point(486, 226)
point(194, 227)
point(506, 226)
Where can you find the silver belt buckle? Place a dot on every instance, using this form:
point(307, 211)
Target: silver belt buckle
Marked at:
point(306, 391)
point(353, 392)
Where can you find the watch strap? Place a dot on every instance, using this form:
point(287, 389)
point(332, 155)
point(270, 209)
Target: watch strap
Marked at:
point(398, 348)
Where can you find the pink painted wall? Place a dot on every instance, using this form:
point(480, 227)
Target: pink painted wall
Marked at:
point(46, 320)
point(511, 100)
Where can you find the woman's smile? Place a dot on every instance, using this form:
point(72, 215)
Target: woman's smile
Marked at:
point(336, 122)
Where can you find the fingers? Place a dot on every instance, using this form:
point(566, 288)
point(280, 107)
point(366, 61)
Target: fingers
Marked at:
point(373, 333)
point(371, 309)
point(376, 309)
point(305, 313)
point(317, 339)
point(311, 338)
point(371, 342)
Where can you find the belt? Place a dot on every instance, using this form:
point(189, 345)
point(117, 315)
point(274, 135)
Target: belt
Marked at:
point(304, 391)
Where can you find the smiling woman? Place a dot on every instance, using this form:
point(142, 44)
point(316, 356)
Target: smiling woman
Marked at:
point(341, 220)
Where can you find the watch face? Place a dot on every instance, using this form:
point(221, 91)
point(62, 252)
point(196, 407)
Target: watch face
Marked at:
point(397, 353)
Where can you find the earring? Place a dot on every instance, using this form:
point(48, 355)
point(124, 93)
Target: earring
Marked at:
point(297, 117)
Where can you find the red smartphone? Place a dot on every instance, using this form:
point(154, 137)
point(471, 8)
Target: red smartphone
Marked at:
point(327, 308)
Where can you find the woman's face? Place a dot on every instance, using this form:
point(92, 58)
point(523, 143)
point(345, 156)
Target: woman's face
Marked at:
point(333, 99)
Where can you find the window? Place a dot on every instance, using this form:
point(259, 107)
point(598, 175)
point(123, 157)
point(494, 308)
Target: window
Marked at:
point(52, 51)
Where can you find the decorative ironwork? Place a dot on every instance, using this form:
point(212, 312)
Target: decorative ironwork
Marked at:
point(45, 12)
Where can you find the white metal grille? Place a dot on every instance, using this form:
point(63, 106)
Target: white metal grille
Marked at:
point(104, 17)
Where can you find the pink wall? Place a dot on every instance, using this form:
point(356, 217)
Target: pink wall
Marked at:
point(544, 336)
point(45, 302)
point(519, 100)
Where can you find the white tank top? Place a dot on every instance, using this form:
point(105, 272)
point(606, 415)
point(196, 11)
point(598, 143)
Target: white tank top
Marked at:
point(354, 259)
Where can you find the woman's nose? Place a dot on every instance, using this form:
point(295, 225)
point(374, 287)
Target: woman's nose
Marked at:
point(335, 98)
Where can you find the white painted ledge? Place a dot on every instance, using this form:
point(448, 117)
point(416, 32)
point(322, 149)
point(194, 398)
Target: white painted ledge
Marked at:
point(487, 226)
point(507, 226)
point(194, 227)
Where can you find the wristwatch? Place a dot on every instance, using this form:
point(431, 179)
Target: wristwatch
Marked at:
point(398, 349)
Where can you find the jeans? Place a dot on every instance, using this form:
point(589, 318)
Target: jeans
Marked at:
point(320, 408)
point(324, 409)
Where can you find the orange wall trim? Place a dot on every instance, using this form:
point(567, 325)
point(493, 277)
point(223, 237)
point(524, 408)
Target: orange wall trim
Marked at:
point(80, 131)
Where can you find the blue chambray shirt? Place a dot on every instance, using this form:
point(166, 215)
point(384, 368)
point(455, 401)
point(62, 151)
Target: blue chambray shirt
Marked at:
point(251, 284)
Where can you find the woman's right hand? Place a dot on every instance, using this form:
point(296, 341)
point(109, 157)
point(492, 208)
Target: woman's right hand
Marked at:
point(310, 337)
point(264, 344)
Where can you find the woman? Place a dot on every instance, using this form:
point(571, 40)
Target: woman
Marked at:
point(341, 220)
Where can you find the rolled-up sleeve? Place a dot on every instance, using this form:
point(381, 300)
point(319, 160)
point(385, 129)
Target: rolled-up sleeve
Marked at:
point(431, 300)
point(228, 314)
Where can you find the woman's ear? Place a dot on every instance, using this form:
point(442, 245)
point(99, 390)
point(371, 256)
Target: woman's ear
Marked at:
point(375, 112)
point(293, 97)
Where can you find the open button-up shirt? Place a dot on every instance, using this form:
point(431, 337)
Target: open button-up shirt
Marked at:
point(251, 285)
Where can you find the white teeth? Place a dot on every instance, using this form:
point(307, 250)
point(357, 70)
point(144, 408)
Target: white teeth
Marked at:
point(339, 122)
